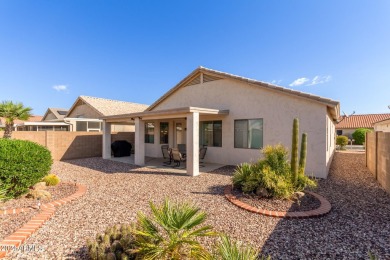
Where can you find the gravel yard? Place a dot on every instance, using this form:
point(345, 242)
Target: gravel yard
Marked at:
point(358, 223)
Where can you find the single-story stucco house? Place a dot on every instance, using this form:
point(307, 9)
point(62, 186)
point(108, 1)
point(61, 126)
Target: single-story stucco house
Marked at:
point(84, 116)
point(347, 125)
point(382, 126)
point(235, 117)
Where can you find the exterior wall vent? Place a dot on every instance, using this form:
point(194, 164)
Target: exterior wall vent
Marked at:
point(195, 81)
point(207, 78)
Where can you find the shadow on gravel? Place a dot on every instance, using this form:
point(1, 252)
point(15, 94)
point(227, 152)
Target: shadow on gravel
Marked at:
point(104, 166)
point(357, 225)
point(80, 253)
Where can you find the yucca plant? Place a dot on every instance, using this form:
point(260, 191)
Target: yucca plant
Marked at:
point(172, 232)
point(226, 249)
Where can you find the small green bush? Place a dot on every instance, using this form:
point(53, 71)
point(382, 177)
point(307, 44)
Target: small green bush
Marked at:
point(51, 180)
point(273, 173)
point(342, 141)
point(360, 135)
point(22, 164)
point(117, 242)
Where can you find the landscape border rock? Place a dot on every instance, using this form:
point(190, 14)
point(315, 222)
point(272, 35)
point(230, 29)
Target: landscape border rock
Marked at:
point(323, 209)
point(16, 239)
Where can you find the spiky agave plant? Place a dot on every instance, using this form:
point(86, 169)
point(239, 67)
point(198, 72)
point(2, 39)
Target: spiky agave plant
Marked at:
point(172, 232)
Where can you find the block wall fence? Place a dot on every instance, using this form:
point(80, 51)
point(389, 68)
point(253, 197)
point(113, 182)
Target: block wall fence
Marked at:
point(71, 145)
point(378, 157)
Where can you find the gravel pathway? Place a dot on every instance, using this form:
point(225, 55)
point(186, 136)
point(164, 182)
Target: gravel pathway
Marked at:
point(358, 223)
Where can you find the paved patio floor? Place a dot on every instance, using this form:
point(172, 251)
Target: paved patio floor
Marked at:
point(160, 164)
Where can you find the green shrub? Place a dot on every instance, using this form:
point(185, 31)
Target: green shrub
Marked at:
point(117, 242)
point(273, 173)
point(51, 180)
point(360, 135)
point(342, 141)
point(22, 164)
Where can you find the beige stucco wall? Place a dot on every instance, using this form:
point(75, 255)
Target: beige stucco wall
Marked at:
point(382, 126)
point(245, 101)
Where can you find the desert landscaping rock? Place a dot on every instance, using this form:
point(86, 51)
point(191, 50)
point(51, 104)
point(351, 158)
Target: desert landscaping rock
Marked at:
point(60, 191)
point(358, 223)
point(10, 223)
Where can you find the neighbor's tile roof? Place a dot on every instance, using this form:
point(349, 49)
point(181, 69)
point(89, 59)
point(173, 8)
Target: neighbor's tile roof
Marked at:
point(31, 119)
point(358, 121)
point(109, 107)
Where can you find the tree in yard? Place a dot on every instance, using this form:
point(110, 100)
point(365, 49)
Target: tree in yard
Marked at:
point(360, 135)
point(10, 112)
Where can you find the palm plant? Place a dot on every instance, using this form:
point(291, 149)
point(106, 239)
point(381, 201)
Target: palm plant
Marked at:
point(172, 232)
point(11, 111)
point(229, 250)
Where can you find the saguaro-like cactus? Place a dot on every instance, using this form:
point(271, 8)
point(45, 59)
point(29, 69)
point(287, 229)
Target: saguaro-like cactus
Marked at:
point(294, 149)
point(302, 157)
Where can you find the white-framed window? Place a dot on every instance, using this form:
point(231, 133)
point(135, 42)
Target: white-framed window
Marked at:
point(248, 133)
point(149, 133)
point(210, 133)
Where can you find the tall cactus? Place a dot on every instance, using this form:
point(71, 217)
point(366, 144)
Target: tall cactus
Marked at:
point(294, 150)
point(302, 157)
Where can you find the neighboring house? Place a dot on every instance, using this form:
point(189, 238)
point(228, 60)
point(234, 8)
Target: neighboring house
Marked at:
point(382, 126)
point(17, 122)
point(53, 120)
point(85, 113)
point(235, 117)
point(55, 114)
point(348, 124)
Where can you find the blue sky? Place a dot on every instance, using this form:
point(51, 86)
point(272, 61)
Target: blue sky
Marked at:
point(53, 51)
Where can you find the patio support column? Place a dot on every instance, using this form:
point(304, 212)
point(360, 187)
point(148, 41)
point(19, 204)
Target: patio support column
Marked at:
point(139, 149)
point(106, 140)
point(193, 144)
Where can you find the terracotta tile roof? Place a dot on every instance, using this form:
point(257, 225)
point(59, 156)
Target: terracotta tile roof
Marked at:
point(358, 121)
point(109, 107)
point(33, 118)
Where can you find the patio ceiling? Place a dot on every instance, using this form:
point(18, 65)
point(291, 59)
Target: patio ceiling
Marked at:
point(181, 112)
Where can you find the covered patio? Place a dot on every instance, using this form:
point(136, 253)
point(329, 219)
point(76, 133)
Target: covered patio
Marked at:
point(189, 135)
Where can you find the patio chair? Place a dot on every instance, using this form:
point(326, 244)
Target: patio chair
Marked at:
point(177, 157)
point(166, 153)
point(202, 154)
point(182, 149)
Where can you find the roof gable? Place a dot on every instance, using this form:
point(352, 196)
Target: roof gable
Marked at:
point(58, 113)
point(203, 75)
point(107, 107)
point(361, 121)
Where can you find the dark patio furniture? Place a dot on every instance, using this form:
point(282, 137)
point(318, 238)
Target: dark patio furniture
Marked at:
point(182, 149)
point(202, 154)
point(166, 153)
point(121, 148)
point(177, 157)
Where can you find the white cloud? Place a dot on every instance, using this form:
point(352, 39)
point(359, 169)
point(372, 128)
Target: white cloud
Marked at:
point(311, 82)
point(319, 80)
point(299, 82)
point(60, 87)
point(276, 82)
